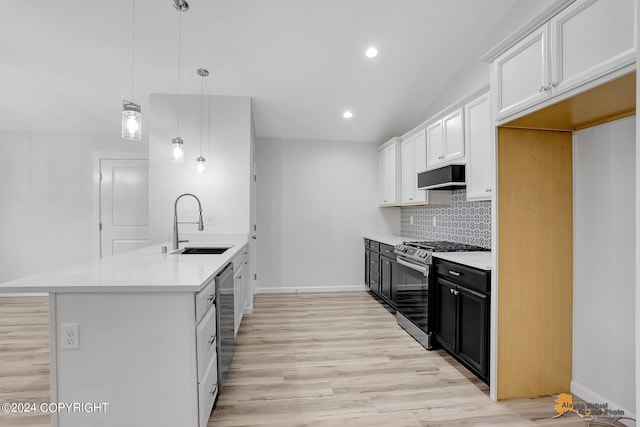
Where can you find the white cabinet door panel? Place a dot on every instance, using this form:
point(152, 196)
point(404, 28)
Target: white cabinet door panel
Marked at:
point(522, 73)
point(435, 144)
point(453, 136)
point(420, 164)
point(591, 38)
point(408, 154)
point(479, 153)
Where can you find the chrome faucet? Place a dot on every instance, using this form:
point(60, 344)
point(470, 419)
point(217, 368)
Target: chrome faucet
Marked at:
point(175, 241)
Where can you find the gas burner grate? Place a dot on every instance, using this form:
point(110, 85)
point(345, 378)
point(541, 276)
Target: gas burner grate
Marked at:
point(443, 246)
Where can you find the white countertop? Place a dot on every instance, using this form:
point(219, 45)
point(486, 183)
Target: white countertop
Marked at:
point(389, 239)
point(142, 270)
point(481, 260)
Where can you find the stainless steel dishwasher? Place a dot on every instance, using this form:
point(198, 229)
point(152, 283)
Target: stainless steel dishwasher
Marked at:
point(225, 321)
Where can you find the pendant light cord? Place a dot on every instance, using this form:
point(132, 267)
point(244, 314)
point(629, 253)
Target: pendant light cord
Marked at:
point(208, 119)
point(133, 45)
point(201, 110)
point(179, 58)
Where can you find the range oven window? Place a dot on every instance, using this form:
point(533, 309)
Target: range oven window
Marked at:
point(412, 294)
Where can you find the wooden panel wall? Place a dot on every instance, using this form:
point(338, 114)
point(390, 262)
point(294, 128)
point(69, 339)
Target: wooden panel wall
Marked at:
point(535, 259)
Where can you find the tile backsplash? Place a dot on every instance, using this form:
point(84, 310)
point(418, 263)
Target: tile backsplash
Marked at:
point(461, 221)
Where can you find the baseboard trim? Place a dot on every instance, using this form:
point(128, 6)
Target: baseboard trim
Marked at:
point(24, 295)
point(591, 396)
point(305, 289)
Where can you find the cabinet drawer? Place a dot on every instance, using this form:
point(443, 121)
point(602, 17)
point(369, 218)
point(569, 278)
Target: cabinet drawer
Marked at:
point(205, 299)
point(460, 274)
point(207, 391)
point(374, 261)
point(375, 246)
point(374, 275)
point(387, 251)
point(206, 341)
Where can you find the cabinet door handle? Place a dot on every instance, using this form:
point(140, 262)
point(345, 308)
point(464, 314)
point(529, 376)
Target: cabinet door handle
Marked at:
point(453, 291)
point(213, 392)
point(211, 297)
point(212, 340)
point(454, 273)
point(552, 84)
point(543, 89)
point(487, 190)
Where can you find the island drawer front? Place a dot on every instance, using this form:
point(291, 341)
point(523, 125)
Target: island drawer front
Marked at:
point(207, 391)
point(205, 299)
point(239, 259)
point(375, 246)
point(470, 277)
point(206, 341)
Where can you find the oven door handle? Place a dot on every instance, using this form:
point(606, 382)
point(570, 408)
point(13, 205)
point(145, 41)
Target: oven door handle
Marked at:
point(422, 269)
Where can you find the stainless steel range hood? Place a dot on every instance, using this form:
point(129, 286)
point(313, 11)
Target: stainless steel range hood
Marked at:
point(445, 178)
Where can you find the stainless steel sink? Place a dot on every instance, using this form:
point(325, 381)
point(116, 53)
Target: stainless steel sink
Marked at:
point(203, 250)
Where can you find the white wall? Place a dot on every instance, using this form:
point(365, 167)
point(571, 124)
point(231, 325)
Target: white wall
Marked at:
point(604, 265)
point(315, 200)
point(475, 74)
point(224, 191)
point(46, 198)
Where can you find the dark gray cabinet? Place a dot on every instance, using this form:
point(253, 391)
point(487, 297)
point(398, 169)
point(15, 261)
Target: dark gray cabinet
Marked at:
point(462, 314)
point(380, 261)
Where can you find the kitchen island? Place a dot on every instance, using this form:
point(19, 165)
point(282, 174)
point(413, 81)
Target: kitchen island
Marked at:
point(132, 337)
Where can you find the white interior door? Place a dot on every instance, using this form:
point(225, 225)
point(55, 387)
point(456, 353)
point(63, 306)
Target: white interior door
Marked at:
point(124, 205)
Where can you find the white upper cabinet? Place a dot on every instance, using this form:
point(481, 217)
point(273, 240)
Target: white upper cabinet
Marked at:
point(521, 74)
point(453, 136)
point(414, 160)
point(388, 173)
point(589, 40)
point(435, 144)
point(479, 153)
point(445, 140)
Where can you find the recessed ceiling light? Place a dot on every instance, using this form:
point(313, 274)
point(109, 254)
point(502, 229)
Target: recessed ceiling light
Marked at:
point(347, 114)
point(372, 52)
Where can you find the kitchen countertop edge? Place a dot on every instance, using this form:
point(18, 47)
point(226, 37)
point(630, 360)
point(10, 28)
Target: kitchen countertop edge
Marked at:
point(163, 272)
point(481, 260)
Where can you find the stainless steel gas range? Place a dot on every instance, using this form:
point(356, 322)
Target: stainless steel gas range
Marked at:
point(414, 289)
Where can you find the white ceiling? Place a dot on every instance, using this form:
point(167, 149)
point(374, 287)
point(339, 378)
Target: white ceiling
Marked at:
point(66, 67)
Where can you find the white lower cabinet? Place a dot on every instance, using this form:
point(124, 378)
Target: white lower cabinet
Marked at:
point(241, 286)
point(206, 352)
point(480, 162)
point(208, 390)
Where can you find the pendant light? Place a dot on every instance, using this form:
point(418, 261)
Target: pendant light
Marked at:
point(201, 167)
point(178, 142)
point(131, 112)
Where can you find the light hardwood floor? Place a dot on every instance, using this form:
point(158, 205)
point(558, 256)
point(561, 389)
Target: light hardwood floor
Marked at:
point(318, 360)
point(327, 360)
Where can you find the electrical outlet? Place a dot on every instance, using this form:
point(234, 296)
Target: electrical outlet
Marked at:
point(434, 221)
point(69, 336)
point(208, 220)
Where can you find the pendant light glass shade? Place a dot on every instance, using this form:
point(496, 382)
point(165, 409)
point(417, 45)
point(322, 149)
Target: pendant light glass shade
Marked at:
point(131, 116)
point(178, 152)
point(131, 121)
point(201, 167)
